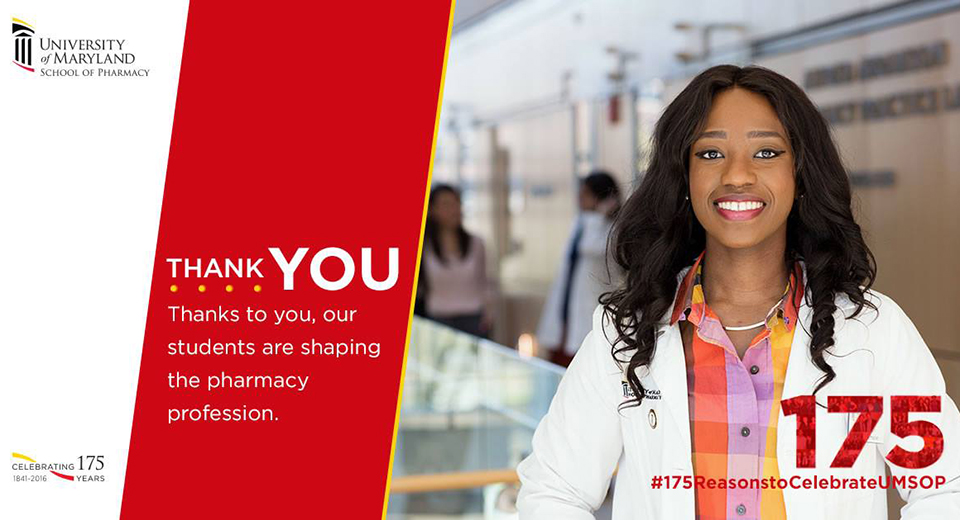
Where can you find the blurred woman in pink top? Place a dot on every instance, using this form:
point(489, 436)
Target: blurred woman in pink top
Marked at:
point(453, 288)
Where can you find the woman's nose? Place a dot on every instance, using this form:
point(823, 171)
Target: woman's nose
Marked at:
point(739, 172)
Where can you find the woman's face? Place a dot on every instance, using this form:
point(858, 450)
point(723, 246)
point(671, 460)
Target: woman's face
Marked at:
point(588, 201)
point(741, 172)
point(445, 208)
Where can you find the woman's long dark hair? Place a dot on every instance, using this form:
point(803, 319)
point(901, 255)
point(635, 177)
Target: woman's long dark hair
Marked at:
point(656, 233)
point(431, 231)
point(431, 239)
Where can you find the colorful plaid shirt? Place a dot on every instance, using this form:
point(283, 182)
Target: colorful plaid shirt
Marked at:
point(734, 403)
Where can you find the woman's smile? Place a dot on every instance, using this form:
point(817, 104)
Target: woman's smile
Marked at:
point(739, 207)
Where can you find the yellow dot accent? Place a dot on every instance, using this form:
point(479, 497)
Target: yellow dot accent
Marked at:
point(257, 288)
point(173, 288)
point(229, 288)
point(202, 288)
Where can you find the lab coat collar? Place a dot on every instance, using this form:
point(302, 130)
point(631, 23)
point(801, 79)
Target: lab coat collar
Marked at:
point(668, 369)
point(668, 372)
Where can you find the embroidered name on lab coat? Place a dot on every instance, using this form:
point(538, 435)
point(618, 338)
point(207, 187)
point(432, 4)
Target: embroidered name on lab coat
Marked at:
point(648, 393)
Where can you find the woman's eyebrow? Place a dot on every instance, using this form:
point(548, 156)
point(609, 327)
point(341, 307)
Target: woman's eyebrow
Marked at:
point(763, 133)
point(715, 134)
point(720, 134)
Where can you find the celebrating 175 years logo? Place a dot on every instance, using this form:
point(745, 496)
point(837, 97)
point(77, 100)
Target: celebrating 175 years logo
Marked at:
point(87, 468)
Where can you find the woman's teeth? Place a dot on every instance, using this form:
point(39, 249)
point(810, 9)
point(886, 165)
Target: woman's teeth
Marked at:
point(740, 206)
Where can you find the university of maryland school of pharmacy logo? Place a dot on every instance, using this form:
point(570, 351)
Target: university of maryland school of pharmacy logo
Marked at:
point(23, 44)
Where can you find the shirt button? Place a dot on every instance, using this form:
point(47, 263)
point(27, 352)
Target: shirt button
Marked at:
point(746, 433)
point(741, 510)
point(754, 369)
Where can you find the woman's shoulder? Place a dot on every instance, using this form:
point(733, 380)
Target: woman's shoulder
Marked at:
point(595, 355)
point(881, 327)
point(878, 308)
point(475, 240)
point(476, 250)
point(902, 359)
point(603, 319)
point(605, 335)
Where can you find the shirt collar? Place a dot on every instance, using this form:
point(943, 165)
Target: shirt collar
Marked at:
point(689, 302)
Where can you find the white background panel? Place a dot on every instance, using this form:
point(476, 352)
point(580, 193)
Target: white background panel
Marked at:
point(83, 166)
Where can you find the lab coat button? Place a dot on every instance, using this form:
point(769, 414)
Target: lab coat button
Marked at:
point(652, 417)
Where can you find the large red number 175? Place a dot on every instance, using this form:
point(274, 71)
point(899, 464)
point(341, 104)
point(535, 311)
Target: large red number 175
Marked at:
point(870, 409)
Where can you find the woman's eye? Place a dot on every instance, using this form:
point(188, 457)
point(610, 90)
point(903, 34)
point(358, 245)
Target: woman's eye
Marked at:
point(709, 154)
point(767, 153)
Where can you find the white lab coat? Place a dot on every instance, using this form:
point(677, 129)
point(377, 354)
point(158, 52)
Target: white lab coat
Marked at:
point(589, 281)
point(583, 439)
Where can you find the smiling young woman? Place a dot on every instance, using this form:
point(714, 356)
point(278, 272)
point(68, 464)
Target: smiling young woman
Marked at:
point(748, 283)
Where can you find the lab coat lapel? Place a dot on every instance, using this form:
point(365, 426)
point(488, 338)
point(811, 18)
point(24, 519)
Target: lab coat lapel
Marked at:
point(801, 378)
point(802, 374)
point(669, 373)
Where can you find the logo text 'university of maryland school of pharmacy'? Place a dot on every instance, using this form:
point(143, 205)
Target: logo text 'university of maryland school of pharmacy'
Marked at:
point(23, 44)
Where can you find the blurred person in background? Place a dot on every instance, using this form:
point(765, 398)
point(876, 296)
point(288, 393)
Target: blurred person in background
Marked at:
point(453, 288)
point(583, 275)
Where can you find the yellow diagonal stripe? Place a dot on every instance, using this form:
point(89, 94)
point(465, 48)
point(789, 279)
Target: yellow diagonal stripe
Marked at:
point(19, 455)
point(416, 272)
point(22, 22)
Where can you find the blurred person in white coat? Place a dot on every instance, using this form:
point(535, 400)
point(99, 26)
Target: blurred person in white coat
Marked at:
point(583, 275)
point(746, 369)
